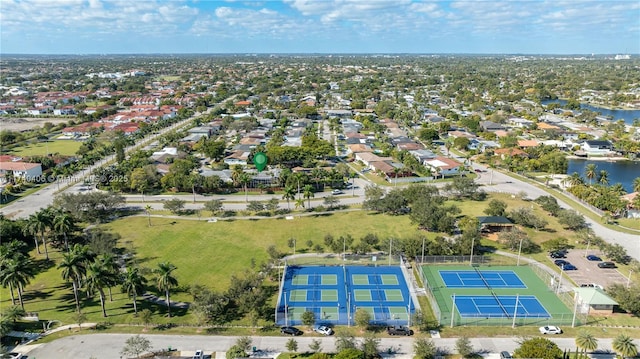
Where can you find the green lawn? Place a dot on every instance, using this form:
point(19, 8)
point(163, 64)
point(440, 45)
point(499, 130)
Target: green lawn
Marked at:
point(209, 253)
point(63, 147)
point(204, 253)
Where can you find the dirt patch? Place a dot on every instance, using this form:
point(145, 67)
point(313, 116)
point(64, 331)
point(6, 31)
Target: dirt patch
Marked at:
point(491, 236)
point(24, 124)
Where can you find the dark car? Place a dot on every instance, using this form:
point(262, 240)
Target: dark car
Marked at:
point(606, 265)
point(594, 258)
point(290, 331)
point(569, 266)
point(399, 330)
point(505, 355)
point(560, 262)
point(557, 254)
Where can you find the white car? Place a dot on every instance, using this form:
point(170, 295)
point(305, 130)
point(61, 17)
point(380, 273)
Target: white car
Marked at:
point(550, 329)
point(198, 355)
point(324, 330)
point(336, 191)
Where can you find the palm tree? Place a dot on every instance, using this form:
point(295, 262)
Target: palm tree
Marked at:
point(603, 177)
point(299, 203)
point(586, 341)
point(624, 346)
point(98, 277)
point(31, 228)
point(38, 223)
point(165, 281)
point(237, 171)
point(308, 194)
point(113, 269)
point(133, 282)
point(13, 313)
point(147, 209)
point(16, 273)
point(575, 179)
point(636, 184)
point(591, 171)
point(74, 268)
point(63, 223)
point(289, 194)
point(244, 179)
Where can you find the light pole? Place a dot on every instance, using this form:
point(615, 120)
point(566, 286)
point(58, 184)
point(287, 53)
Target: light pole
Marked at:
point(629, 278)
point(586, 252)
point(423, 239)
point(344, 249)
point(519, 250)
point(390, 243)
point(473, 239)
point(560, 279)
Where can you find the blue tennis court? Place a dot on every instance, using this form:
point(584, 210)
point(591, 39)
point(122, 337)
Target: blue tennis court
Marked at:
point(335, 293)
point(503, 306)
point(481, 279)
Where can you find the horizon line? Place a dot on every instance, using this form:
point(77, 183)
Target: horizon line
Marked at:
point(249, 53)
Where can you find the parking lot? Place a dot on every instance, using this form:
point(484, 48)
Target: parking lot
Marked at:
point(588, 271)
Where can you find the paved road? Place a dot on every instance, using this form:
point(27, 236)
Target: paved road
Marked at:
point(494, 181)
point(28, 205)
point(108, 346)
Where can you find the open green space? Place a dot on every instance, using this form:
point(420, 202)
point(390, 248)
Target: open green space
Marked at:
point(204, 253)
point(63, 147)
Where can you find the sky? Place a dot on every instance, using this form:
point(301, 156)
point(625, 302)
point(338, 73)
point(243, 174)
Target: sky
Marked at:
point(319, 26)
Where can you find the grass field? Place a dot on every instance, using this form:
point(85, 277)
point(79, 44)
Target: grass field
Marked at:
point(204, 253)
point(63, 147)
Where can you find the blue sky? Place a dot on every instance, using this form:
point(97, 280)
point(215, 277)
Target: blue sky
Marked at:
point(319, 26)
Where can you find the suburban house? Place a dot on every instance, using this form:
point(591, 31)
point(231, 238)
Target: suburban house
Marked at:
point(368, 158)
point(489, 126)
point(443, 166)
point(237, 158)
point(422, 155)
point(510, 152)
point(520, 122)
point(25, 170)
point(593, 301)
point(597, 147)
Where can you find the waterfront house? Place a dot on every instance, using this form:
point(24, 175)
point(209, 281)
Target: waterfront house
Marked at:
point(597, 147)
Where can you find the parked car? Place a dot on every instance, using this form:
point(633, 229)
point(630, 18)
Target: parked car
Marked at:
point(557, 255)
point(594, 258)
point(606, 265)
point(323, 329)
point(560, 262)
point(290, 331)
point(336, 191)
point(550, 329)
point(198, 355)
point(505, 355)
point(399, 330)
point(590, 285)
point(569, 266)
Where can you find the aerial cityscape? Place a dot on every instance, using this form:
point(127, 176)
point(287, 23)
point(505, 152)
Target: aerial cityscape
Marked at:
point(321, 179)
